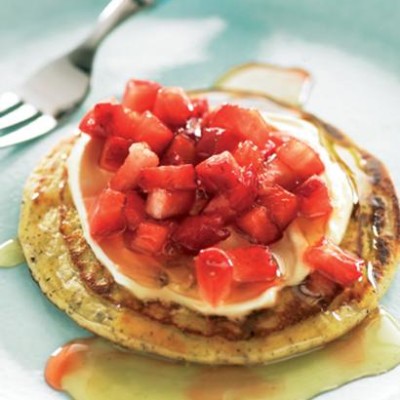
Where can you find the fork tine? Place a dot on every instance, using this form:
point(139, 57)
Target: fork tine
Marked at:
point(38, 127)
point(17, 116)
point(8, 100)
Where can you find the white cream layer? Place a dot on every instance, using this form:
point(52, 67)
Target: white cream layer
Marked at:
point(288, 251)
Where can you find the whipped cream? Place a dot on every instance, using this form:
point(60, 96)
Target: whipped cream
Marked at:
point(288, 251)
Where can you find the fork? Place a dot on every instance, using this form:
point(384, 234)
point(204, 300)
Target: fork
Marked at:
point(57, 89)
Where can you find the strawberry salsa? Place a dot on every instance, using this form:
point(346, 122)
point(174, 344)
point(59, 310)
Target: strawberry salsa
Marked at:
point(185, 179)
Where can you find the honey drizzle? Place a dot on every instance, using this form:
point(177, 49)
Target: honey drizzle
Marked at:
point(11, 254)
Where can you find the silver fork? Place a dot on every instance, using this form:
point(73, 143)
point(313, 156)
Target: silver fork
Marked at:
point(54, 91)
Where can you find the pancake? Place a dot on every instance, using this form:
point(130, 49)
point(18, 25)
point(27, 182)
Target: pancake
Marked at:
point(72, 278)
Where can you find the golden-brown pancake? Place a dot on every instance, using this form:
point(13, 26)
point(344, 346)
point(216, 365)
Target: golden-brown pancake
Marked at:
point(68, 273)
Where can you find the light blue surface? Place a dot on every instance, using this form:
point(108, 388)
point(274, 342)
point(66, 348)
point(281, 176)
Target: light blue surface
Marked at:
point(351, 47)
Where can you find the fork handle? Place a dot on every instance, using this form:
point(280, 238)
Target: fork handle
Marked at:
point(112, 15)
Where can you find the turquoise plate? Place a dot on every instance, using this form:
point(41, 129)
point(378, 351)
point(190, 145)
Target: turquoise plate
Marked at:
point(350, 47)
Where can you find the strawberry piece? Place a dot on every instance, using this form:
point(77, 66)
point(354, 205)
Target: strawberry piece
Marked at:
point(253, 264)
point(139, 157)
point(151, 130)
point(114, 153)
point(106, 216)
point(243, 194)
point(197, 232)
point(313, 198)
point(220, 206)
point(173, 106)
point(200, 106)
point(336, 264)
point(276, 172)
point(182, 150)
point(214, 275)
point(149, 237)
point(248, 154)
point(107, 119)
point(219, 172)
point(259, 225)
point(140, 95)
point(134, 210)
point(171, 177)
point(243, 122)
point(206, 146)
point(301, 158)
point(163, 203)
point(282, 205)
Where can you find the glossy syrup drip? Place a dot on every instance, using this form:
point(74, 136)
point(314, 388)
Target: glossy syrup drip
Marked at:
point(11, 254)
point(93, 369)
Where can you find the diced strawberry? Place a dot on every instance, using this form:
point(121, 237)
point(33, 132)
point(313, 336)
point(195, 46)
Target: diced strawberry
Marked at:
point(214, 275)
point(134, 210)
point(182, 150)
point(220, 206)
point(246, 123)
point(301, 158)
point(108, 119)
point(107, 217)
point(139, 157)
point(171, 177)
point(336, 264)
point(197, 232)
point(243, 194)
point(253, 264)
point(317, 285)
point(173, 106)
point(275, 172)
point(219, 172)
point(258, 225)
point(114, 153)
point(248, 154)
point(313, 198)
point(140, 95)
point(149, 237)
point(151, 130)
point(163, 203)
point(282, 205)
point(200, 202)
point(200, 106)
point(208, 141)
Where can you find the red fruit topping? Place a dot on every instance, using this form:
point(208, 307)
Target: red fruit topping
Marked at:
point(109, 119)
point(301, 158)
point(336, 264)
point(313, 198)
point(171, 177)
point(140, 95)
point(173, 106)
point(149, 237)
point(247, 154)
point(115, 150)
point(134, 210)
point(151, 130)
point(258, 224)
point(200, 231)
point(282, 205)
point(219, 172)
point(139, 157)
point(243, 122)
point(182, 150)
point(208, 143)
point(220, 206)
point(163, 203)
point(106, 216)
point(214, 275)
point(200, 106)
point(243, 194)
point(276, 172)
point(253, 264)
